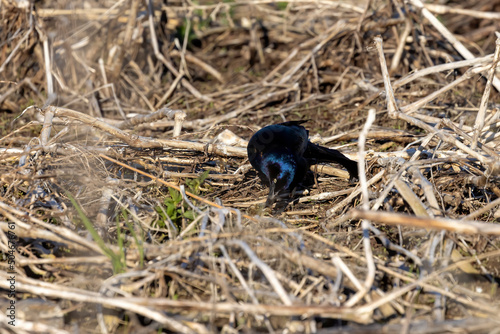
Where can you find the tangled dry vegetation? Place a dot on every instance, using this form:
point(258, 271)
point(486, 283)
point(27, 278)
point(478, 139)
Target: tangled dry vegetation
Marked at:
point(126, 189)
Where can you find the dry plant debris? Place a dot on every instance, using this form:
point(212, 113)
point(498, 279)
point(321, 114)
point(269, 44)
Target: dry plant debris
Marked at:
point(127, 203)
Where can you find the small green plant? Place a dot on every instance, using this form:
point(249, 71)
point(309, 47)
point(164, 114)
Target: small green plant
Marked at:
point(117, 260)
point(172, 208)
point(194, 184)
point(191, 26)
point(175, 208)
point(139, 243)
point(282, 5)
point(181, 32)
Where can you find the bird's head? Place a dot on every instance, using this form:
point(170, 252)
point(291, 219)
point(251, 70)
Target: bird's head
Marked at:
point(280, 172)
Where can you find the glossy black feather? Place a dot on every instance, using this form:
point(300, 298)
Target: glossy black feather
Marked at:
point(282, 153)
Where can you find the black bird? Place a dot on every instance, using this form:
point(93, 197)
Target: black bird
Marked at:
point(282, 154)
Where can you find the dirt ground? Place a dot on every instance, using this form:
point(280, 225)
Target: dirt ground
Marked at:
point(128, 205)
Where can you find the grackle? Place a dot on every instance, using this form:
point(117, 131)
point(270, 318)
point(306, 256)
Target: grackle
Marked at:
point(282, 154)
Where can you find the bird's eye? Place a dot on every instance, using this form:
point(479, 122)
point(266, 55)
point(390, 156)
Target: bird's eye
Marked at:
point(275, 180)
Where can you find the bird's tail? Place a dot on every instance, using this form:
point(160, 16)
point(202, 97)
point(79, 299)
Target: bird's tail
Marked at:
point(317, 154)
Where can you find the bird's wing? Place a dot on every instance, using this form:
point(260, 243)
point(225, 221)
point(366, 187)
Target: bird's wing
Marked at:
point(293, 123)
point(293, 136)
point(317, 154)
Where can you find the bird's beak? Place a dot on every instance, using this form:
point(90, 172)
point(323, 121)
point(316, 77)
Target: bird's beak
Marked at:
point(272, 196)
